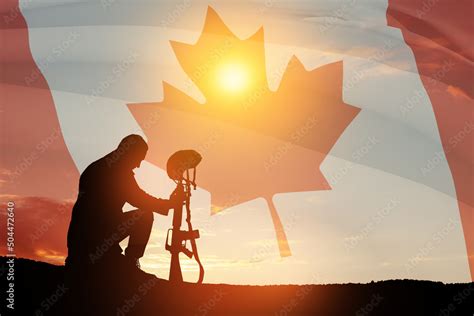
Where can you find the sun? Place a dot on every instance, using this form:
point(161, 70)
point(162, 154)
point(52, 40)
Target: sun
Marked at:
point(232, 77)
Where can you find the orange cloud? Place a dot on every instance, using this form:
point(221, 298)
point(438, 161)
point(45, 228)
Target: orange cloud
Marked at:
point(456, 92)
point(40, 227)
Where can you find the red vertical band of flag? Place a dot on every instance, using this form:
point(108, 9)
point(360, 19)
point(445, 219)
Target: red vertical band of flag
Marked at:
point(36, 169)
point(439, 32)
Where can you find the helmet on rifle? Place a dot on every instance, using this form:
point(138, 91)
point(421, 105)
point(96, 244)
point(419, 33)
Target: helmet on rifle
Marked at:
point(180, 162)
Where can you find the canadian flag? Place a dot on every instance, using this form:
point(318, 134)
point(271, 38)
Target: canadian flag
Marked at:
point(354, 162)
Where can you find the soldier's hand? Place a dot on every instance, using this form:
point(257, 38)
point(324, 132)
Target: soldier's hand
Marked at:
point(163, 207)
point(176, 200)
point(177, 197)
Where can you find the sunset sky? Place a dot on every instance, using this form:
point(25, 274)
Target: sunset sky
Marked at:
point(391, 211)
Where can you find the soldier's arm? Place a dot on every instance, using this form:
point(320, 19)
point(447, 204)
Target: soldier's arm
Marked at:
point(142, 200)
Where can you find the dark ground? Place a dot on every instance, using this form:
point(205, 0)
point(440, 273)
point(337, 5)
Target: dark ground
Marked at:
point(40, 290)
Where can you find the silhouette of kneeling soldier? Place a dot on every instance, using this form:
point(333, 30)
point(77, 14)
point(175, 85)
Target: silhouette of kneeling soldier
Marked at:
point(99, 277)
point(98, 223)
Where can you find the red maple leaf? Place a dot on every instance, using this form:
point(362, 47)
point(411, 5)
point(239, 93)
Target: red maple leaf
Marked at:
point(255, 142)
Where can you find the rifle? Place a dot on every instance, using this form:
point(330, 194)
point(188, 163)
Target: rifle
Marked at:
point(176, 239)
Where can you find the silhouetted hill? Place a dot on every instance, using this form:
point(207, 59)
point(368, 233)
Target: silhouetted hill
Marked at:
point(40, 290)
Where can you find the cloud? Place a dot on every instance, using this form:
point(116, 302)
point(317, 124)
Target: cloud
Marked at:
point(40, 227)
point(51, 256)
point(5, 176)
point(456, 92)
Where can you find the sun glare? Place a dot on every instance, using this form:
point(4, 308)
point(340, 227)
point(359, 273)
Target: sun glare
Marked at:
point(232, 77)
